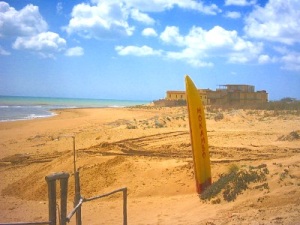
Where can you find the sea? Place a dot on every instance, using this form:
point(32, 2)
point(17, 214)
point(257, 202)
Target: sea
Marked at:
point(14, 108)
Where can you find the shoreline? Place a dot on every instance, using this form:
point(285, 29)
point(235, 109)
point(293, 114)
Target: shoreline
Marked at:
point(26, 108)
point(52, 111)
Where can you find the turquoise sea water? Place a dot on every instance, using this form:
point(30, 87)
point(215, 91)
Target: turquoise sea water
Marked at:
point(23, 108)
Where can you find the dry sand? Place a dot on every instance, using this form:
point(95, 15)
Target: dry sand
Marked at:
point(148, 151)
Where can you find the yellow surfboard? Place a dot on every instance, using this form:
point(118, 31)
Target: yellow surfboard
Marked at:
point(198, 136)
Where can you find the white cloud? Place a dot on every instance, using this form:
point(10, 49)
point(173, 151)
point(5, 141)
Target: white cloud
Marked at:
point(26, 22)
point(232, 15)
point(212, 9)
point(240, 2)
point(191, 57)
point(281, 49)
point(102, 19)
point(76, 51)
point(200, 44)
point(198, 63)
point(137, 51)
point(199, 39)
point(171, 36)
point(278, 21)
point(291, 61)
point(263, 59)
point(141, 17)
point(46, 43)
point(3, 51)
point(162, 5)
point(28, 29)
point(59, 8)
point(149, 32)
point(107, 19)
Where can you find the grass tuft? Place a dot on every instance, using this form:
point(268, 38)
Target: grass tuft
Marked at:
point(235, 182)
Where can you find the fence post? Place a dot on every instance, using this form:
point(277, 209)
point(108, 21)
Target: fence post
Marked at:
point(63, 198)
point(125, 206)
point(51, 181)
point(52, 200)
point(77, 198)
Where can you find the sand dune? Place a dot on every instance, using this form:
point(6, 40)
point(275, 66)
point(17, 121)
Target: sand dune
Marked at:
point(148, 151)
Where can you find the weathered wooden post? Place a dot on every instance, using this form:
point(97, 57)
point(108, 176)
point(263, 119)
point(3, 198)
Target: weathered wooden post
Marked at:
point(51, 199)
point(77, 198)
point(125, 206)
point(64, 197)
point(51, 181)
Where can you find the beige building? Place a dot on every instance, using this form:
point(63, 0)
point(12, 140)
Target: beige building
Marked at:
point(225, 94)
point(180, 95)
point(237, 94)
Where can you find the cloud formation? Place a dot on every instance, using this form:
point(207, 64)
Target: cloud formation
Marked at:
point(29, 32)
point(137, 51)
point(278, 21)
point(200, 46)
point(291, 61)
point(240, 2)
point(162, 5)
point(218, 42)
point(107, 19)
point(141, 17)
point(232, 15)
point(45, 43)
point(149, 32)
point(26, 22)
point(75, 51)
point(59, 8)
point(3, 51)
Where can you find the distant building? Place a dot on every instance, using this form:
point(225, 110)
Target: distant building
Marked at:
point(237, 94)
point(225, 94)
point(180, 95)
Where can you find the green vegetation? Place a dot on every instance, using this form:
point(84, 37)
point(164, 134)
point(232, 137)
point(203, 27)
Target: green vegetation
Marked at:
point(235, 182)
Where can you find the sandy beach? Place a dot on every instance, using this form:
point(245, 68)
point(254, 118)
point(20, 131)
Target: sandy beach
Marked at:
point(148, 150)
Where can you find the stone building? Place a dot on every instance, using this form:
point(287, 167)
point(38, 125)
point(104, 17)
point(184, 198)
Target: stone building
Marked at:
point(237, 94)
point(231, 94)
point(180, 95)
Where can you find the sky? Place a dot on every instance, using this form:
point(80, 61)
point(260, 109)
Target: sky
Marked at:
point(137, 49)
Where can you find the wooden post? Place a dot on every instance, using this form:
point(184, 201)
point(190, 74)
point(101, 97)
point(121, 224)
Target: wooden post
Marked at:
point(125, 206)
point(63, 199)
point(77, 198)
point(51, 181)
point(52, 200)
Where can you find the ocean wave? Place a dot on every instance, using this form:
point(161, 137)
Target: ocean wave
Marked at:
point(35, 116)
point(115, 106)
point(27, 117)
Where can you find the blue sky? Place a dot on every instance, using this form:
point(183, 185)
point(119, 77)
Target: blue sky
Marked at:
point(137, 50)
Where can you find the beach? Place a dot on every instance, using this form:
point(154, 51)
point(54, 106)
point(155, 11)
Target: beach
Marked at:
point(147, 149)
